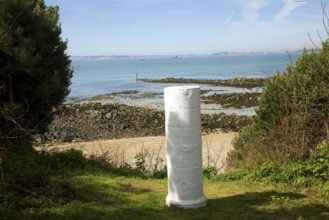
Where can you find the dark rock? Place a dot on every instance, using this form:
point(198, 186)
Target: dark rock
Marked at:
point(235, 82)
point(108, 115)
point(233, 100)
point(68, 138)
point(131, 122)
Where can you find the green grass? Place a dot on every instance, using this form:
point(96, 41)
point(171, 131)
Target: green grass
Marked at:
point(105, 195)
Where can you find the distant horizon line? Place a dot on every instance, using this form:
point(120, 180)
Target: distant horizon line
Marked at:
point(186, 55)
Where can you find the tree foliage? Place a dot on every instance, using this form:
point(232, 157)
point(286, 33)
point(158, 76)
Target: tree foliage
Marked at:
point(293, 116)
point(35, 70)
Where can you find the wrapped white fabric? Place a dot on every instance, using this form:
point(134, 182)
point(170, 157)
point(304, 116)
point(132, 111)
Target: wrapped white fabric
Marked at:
point(182, 117)
point(184, 153)
point(184, 137)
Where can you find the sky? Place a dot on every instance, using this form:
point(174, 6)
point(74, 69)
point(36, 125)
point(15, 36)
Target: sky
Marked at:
point(177, 27)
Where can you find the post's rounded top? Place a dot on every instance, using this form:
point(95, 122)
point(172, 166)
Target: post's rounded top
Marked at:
point(182, 97)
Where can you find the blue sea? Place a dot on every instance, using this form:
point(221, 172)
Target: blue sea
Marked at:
point(105, 75)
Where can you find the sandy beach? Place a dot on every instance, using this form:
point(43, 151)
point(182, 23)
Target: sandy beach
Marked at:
point(214, 148)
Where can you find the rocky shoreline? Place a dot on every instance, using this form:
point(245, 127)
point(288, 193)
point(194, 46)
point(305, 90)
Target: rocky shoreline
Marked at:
point(104, 117)
point(235, 82)
point(94, 121)
point(233, 100)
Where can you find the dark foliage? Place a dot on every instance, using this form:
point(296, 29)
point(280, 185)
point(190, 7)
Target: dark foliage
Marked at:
point(35, 71)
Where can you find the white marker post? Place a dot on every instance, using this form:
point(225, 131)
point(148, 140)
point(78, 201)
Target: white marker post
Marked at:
point(184, 143)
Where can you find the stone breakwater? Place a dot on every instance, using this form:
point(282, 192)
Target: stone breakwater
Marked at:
point(233, 100)
point(235, 82)
point(94, 121)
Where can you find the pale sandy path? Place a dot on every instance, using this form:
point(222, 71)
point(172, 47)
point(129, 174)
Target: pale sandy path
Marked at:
point(214, 147)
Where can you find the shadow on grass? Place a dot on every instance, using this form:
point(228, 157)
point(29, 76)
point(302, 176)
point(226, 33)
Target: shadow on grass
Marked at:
point(127, 201)
point(259, 205)
point(101, 193)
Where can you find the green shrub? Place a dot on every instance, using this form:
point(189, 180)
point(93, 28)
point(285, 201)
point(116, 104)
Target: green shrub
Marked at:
point(160, 173)
point(266, 169)
point(23, 171)
point(63, 160)
point(320, 161)
point(8, 202)
point(140, 162)
point(233, 175)
point(293, 115)
point(325, 190)
point(210, 172)
point(242, 146)
point(306, 172)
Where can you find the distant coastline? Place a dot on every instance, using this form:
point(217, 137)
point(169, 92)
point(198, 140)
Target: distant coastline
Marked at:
point(224, 53)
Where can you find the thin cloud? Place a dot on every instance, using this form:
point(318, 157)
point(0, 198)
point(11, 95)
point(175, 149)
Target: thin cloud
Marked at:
point(251, 10)
point(288, 7)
